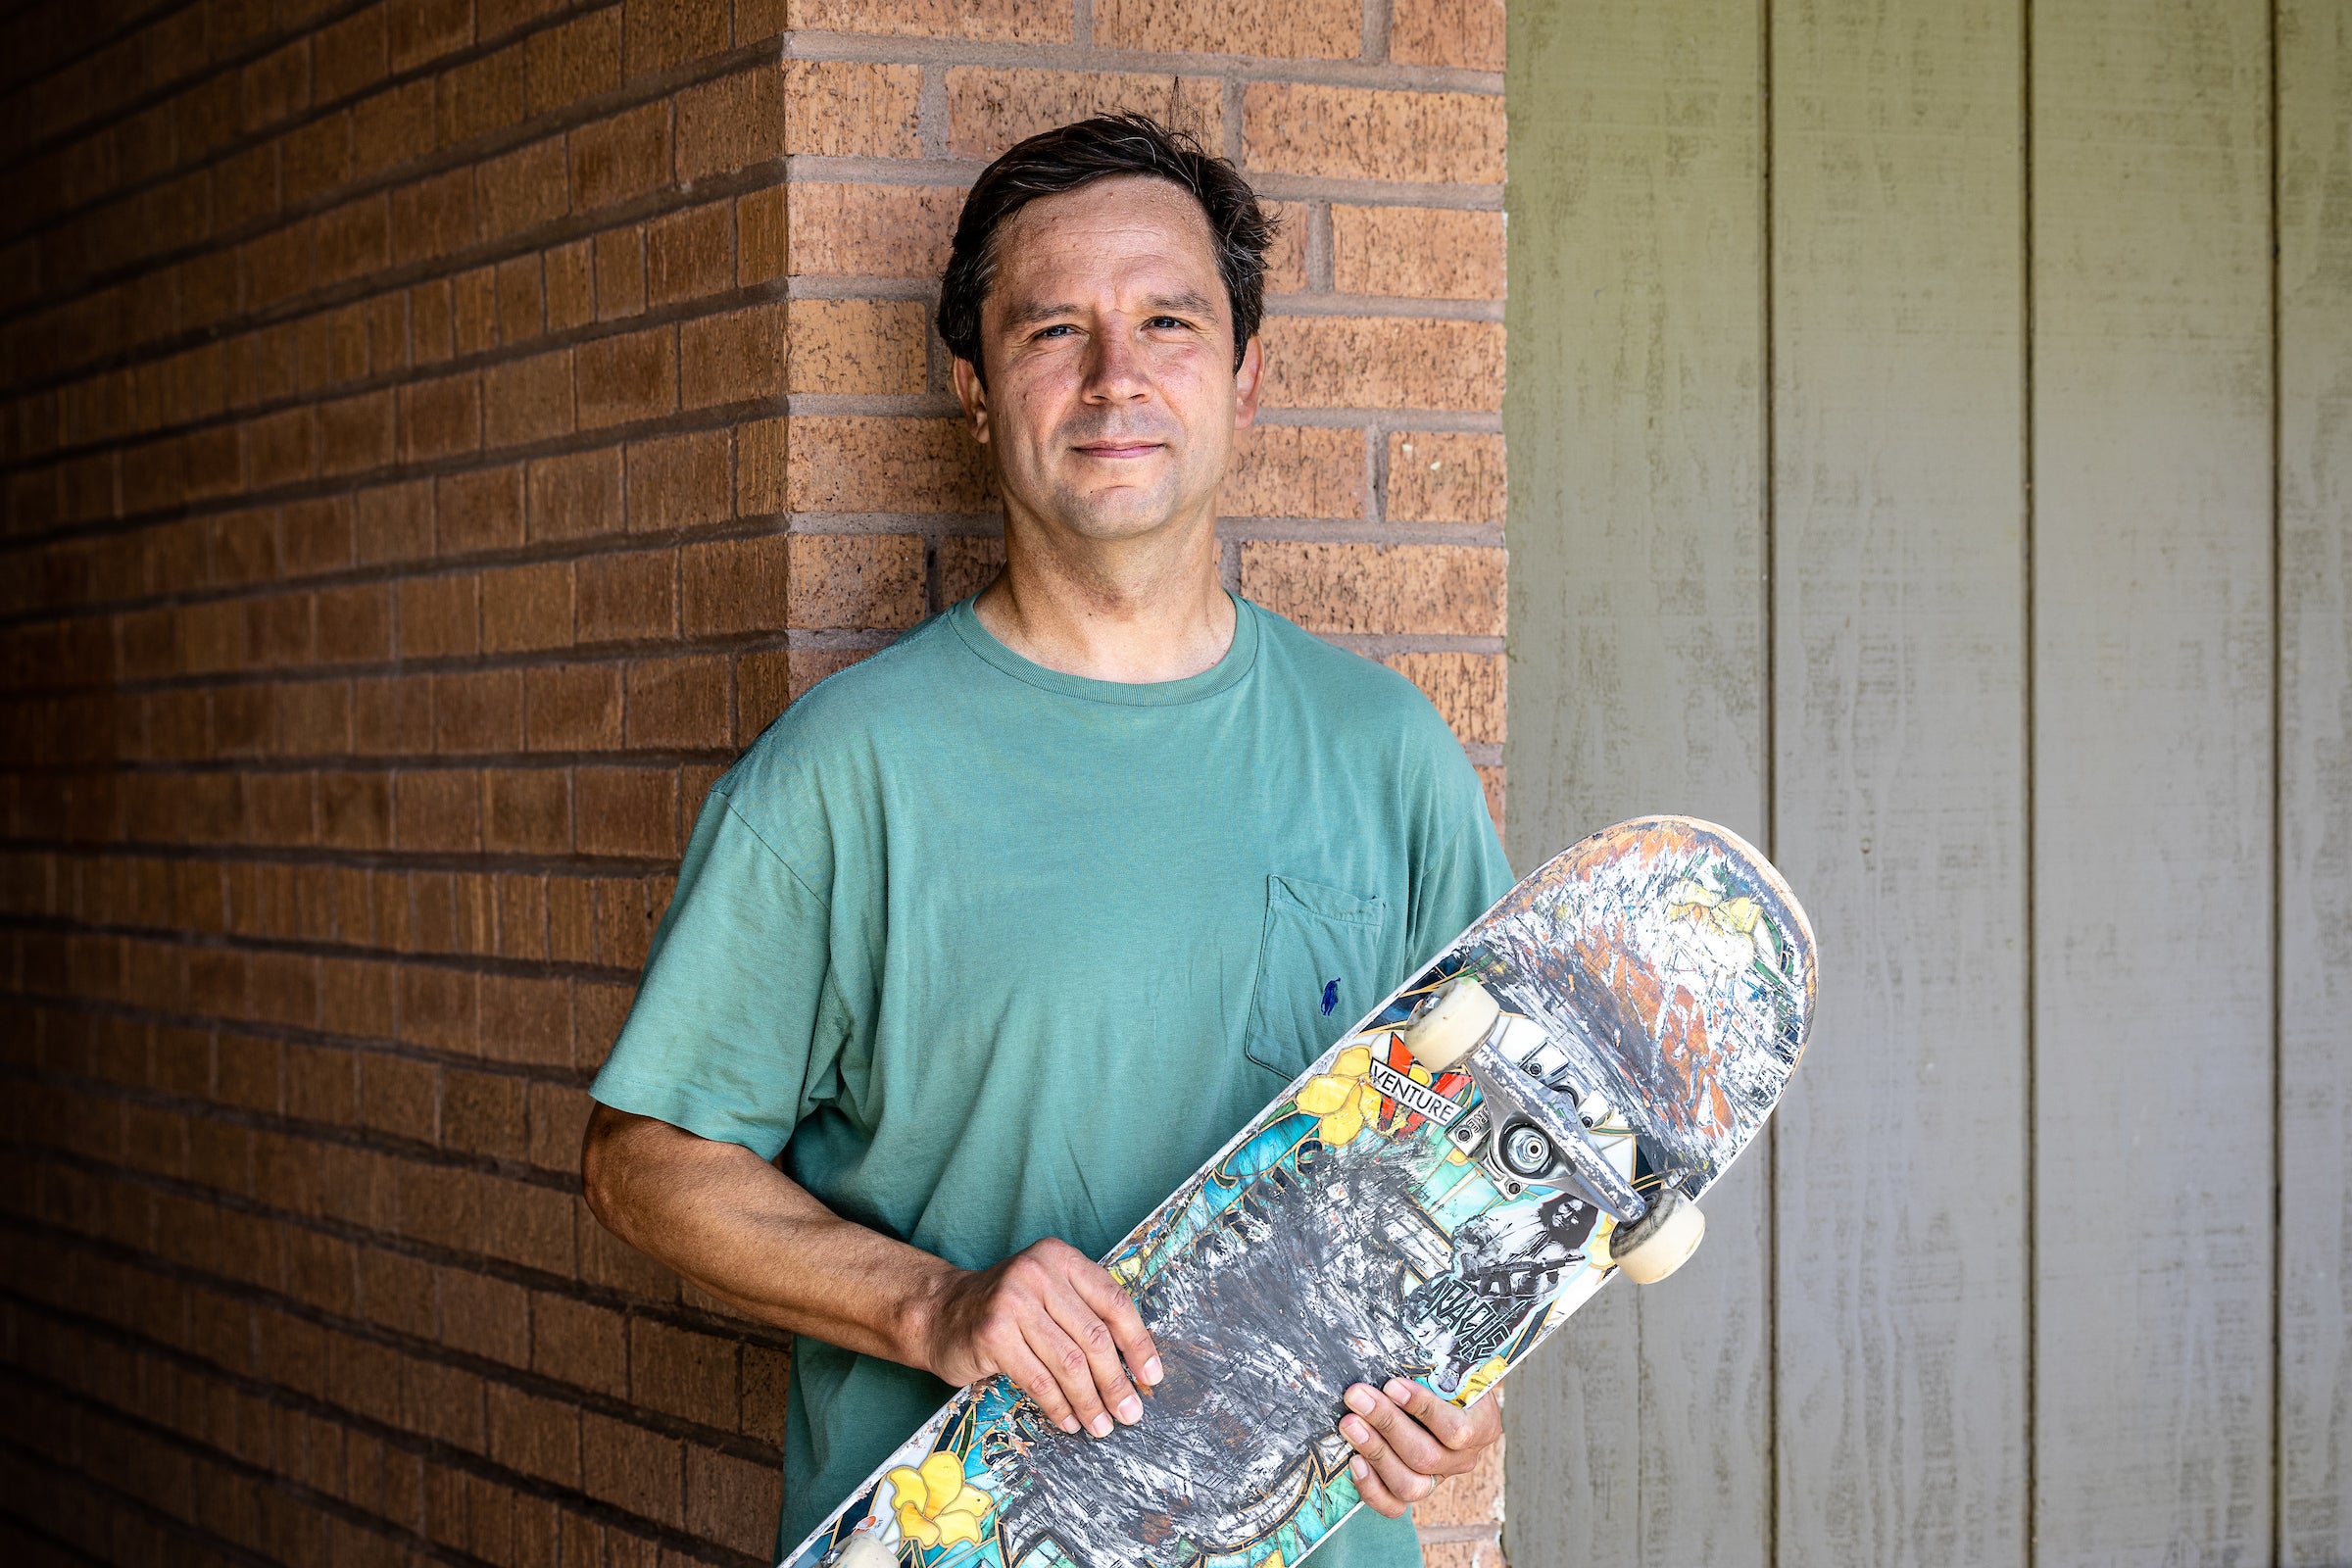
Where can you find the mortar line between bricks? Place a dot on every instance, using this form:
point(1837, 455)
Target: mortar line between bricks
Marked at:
point(930, 109)
point(89, 47)
point(812, 169)
point(552, 1075)
point(469, 154)
point(25, 1525)
point(414, 1152)
point(939, 524)
point(874, 405)
point(419, 1546)
point(1384, 307)
point(1380, 645)
point(540, 1384)
point(285, 1124)
point(891, 49)
point(538, 552)
point(1360, 531)
point(479, 964)
point(400, 279)
point(363, 860)
point(671, 314)
point(849, 286)
point(439, 1452)
point(258, 46)
point(674, 1314)
point(613, 652)
point(1385, 421)
point(453, 760)
point(1465, 196)
point(721, 416)
point(164, 1522)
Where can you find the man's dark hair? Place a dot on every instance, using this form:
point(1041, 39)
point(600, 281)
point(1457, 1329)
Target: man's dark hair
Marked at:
point(1079, 154)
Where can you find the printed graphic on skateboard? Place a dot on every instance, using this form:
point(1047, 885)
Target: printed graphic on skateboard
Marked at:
point(1533, 1112)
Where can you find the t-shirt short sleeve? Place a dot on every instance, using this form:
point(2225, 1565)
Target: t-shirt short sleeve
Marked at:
point(731, 1036)
point(1459, 868)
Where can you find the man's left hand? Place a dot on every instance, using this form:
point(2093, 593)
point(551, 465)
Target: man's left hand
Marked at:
point(1407, 1440)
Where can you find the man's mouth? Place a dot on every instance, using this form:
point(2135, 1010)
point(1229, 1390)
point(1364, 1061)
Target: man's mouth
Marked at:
point(1119, 448)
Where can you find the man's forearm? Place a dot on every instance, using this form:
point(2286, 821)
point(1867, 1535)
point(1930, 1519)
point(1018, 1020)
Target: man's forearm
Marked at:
point(755, 1238)
point(1053, 1320)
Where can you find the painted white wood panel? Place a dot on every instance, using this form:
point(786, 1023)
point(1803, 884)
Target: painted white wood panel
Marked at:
point(1899, 619)
point(1638, 599)
point(2151, 783)
point(2104, 974)
point(2314, 782)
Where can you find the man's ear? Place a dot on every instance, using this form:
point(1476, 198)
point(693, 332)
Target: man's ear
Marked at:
point(1246, 381)
point(973, 395)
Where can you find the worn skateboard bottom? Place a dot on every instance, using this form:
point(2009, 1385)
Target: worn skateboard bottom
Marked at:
point(1368, 1224)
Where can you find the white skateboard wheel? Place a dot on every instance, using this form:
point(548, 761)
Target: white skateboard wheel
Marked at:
point(1457, 1016)
point(1661, 1242)
point(863, 1551)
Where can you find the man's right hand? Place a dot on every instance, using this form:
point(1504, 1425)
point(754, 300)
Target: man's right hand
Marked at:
point(1055, 1322)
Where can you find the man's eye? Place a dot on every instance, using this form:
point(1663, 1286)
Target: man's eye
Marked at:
point(1160, 322)
point(1056, 332)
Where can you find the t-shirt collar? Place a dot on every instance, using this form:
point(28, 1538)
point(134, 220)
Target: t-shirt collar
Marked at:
point(1238, 659)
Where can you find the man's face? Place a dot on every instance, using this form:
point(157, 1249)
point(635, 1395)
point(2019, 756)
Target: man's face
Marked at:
point(1111, 396)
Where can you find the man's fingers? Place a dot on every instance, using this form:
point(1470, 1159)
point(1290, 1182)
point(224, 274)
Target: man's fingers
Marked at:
point(1052, 1345)
point(1377, 1497)
point(1030, 1376)
point(1464, 1432)
point(1093, 1337)
point(1382, 1433)
point(1399, 1478)
point(1096, 1287)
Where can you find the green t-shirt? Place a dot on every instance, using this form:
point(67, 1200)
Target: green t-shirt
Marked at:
point(992, 954)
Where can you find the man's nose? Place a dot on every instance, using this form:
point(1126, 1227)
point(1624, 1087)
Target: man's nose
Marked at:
point(1116, 369)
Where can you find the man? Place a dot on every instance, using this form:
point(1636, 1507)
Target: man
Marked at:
point(996, 935)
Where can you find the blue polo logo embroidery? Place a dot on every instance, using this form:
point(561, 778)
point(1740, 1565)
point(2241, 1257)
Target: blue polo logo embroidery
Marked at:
point(1331, 996)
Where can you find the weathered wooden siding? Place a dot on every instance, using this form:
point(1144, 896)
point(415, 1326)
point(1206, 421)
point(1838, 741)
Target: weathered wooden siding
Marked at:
point(2314, 782)
point(1654, 372)
point(1920, 460)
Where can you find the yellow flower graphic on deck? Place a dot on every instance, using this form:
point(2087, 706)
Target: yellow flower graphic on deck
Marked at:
point(1484, 1377)
point(1339, 1100)
point(1596, 1245)
point(936, 1505)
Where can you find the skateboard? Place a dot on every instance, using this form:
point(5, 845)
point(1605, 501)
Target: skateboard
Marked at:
point(1533, 1112)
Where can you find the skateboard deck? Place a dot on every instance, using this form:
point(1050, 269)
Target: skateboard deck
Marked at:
point(1645, 995)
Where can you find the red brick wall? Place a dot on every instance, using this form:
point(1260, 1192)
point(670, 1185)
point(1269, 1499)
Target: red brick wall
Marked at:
point(437, 434)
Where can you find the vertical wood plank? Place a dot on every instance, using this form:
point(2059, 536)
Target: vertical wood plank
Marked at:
point(1638, 679)
point(1899, 619)
point(2151, 792)
point(2315, 781)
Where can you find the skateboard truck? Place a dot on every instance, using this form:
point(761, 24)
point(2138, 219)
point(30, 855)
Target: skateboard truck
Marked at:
point(1537, 1141)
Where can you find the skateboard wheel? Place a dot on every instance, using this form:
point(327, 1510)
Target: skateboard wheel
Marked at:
point(1661, 1241)
point(863, 1551)
point(1456, 1017)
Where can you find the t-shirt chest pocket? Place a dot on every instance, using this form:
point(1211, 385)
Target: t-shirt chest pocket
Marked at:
point(1318, 971)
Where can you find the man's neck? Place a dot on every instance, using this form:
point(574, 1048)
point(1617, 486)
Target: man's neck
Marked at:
point(1131, 611)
